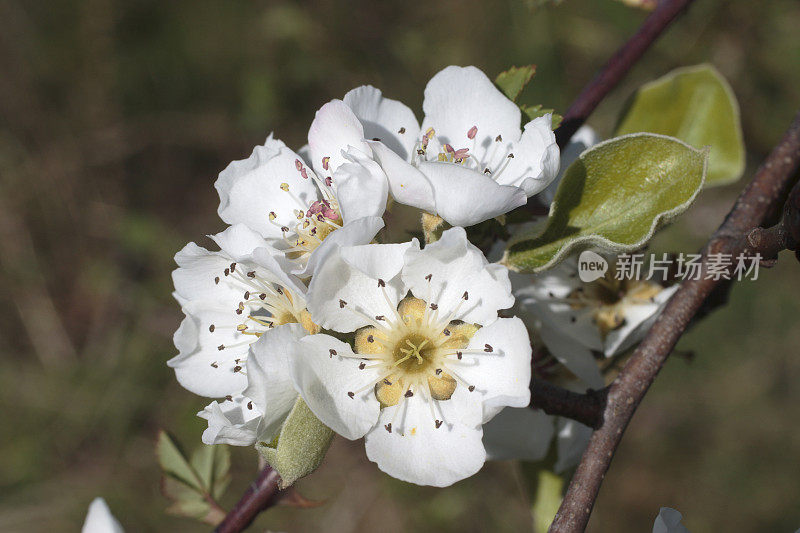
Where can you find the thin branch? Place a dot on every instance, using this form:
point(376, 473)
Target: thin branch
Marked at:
point(554, 400)
point(617, 67)
point(756, 203)
point(261, 494)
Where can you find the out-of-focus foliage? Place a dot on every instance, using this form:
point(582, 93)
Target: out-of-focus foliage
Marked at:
point(696, 105)
point(116, 116)
point(614, 197)
point(193, 485)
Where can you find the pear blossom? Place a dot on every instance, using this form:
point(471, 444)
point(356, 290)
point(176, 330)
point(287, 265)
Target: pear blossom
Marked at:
point(578, 320)
point(582, 140)
point(303, 211)
point(470, 160)
point(431, 361)
point(230, 298)
point(100, 520)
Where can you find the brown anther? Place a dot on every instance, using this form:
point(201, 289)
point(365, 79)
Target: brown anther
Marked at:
point(216, 280)
point(250, 405)
point(362, 366)
point(370, 338)
point(388, 427)
point(381, 283)
point(351, 394)
point(342, 303)
point(214, 365)
point(446, 332)
point(465, 295)
point(438, 424)
point(487, 348)
point(387, 381)
point(251, 274)
point(511, 156)
point(332, 352)
point(401, 131)
point(487, 171)
point(279, 290)
point(227, 271)
point(233, 267)
point(375, 139)
point(471, 388)
point(229, 398)
point(380, 317)
point(434, 307)
point(246, 295)
point(459, 355)
point(221, 347)
point(237, 368)
point(263, 295)
point(498, 139)
point(428, 277)
point(438, 371)
point(408, 394)
point(211, 328)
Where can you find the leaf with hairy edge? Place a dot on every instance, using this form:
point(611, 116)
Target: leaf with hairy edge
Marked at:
point(194, 486)
point(513, 80)
point(614, 196)
point(696, 105)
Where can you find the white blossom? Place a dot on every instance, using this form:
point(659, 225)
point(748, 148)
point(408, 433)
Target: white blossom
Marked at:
point(300, 211)
point(577, 319)
point(470, 161)
point(100, 520)
point(230, 297)
point(431, 361)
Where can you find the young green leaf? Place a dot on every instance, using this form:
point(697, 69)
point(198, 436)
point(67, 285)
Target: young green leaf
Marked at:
point(696, 105)
point(536, 111)
point(194, 486)
point(614, 196)
point(513, 80)
point(301, 446)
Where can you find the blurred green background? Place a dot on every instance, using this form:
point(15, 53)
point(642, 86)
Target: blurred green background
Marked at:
point(116, 116)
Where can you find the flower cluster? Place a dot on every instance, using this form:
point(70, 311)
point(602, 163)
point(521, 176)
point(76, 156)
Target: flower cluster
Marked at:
point(308, 299)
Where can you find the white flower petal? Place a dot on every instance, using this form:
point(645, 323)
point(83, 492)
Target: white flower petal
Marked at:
point(408, 185)
point(669, 521)
point(383, 118)
point(324, 379)
point(335, 128)
point(638, 320)
point(502, 376)
point(572, 354)
point(465, 197)
point(455, 266)
point(519, 433)
point(458, 98)
point(236, 422)
point(100, 520)
point(250, 189)
point(361, 188)
point(201, 366)
point(347, 282)
point(238, 241)
point(195, 276)
point(359, 231)
point(418, 452)
point(572, 439)
point(535, 162)
point(269, 382)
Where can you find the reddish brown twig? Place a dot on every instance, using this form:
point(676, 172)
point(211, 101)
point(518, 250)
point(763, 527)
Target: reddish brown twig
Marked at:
point(261, 494)
point(617, 67)
point(554, 400)
point(754, 206)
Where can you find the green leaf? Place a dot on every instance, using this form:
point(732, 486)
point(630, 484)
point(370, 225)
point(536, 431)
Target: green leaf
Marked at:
point(194, 486)
point(212, 464)
point(513, 80)
point(696, 105)
point(614, 196)
point(536, 111)
point(301, 446)
point(174, 463)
